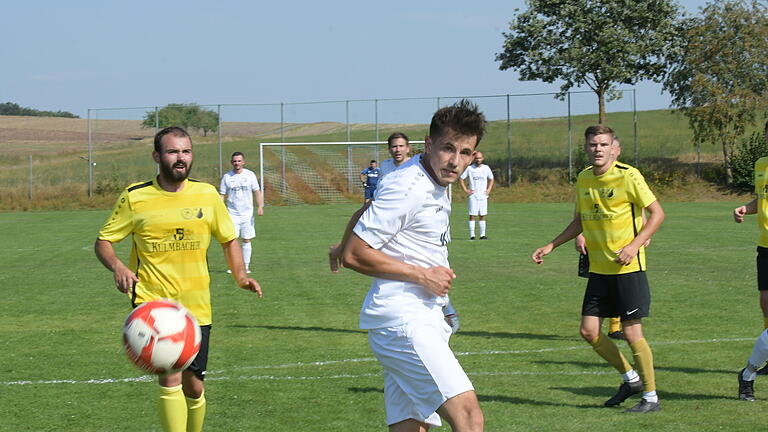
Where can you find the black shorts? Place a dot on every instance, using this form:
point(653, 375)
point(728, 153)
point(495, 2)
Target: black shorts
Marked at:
point(762, 268)
point(200, 363)
point(627, 296)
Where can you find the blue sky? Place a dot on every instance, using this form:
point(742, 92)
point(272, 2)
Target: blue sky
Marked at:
point(76, 55)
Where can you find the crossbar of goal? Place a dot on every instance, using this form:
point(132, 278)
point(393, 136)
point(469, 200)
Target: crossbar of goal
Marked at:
point(328, 170)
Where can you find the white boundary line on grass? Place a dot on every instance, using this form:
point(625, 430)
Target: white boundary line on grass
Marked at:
point(151, 378)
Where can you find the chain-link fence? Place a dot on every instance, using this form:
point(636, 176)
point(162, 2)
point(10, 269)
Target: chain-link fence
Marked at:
point(527, 134)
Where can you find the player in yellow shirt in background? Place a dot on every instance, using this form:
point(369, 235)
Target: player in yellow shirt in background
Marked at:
point(171, 220)
point(610, 198)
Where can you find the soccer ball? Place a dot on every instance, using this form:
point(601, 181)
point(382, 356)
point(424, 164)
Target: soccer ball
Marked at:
point(161, 336)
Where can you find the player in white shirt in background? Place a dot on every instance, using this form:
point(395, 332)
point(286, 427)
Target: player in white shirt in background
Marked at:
point(238, 187)
point(480, 185)
point(400, 239)
point(399, 148)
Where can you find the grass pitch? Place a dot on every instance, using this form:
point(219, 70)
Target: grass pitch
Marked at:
point(296, 361)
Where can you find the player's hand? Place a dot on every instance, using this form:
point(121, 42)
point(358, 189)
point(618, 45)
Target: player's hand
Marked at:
point(647, 242)
point(334, 258)
point(738, 214)
point(470, 191)
point(438, 280)
point(539, 254)
point(581, 244)
point(125, 279)
point(625, 255)
point(260, 211)
point(251, 285)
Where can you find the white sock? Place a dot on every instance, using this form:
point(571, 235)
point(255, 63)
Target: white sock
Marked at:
point(758, 358)
point(630, 376)
point(651, 396)
point(471, 228)
point(247, 254)
point(482, 228)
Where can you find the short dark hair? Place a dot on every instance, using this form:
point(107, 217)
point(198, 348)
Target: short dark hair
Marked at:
point(170, 130)
point(398, 135)
point(237, 154)
point(598, 130)
point(463, 117)
point(373, 160)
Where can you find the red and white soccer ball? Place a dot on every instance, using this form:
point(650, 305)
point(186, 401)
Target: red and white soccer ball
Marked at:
point(161, 336)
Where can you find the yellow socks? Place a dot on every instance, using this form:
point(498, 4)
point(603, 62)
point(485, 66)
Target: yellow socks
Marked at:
point(608, 350)
point(615, 325)
point(644, 363)
point(173, 409)
point(195, 413)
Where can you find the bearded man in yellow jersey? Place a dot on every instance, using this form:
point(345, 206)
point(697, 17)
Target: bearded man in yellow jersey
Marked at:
point(171, 220)
point(610, 200)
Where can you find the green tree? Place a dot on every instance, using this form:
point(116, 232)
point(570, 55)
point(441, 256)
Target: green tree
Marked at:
point(719, 74)
point(188, 116)
point(597, 43)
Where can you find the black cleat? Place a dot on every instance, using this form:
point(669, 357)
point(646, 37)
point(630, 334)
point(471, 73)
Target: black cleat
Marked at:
point(746, 388)
point(644, 407)
point(763, 371)
point(483, 238)
point(472, 238)
point(626, 389)
point(618, 335)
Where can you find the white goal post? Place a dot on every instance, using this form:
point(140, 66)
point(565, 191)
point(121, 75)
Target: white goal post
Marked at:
point(318, 172)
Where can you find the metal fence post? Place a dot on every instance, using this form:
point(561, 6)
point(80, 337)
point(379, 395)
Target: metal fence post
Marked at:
point(509, 145)
point(570, 141)
point(218, 129)
point(90, 155)
point(634, 125)
point(30, 177)
point(349, 136)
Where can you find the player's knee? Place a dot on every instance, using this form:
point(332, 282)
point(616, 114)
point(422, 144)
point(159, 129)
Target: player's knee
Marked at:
point(193, 390)
point(588, 334)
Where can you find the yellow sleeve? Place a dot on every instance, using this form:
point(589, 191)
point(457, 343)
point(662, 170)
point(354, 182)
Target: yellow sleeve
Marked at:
point(120, 222)
point(222, 227)
point(638, 191)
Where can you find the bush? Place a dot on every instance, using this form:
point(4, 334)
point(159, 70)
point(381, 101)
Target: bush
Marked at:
point(743, 161)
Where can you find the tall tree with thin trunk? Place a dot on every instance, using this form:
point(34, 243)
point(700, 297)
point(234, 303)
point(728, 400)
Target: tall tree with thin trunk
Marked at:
point(719, 75)
point(596, 43)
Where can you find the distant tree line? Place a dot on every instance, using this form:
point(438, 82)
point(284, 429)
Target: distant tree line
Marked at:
point(188, 116)
point(10, 108)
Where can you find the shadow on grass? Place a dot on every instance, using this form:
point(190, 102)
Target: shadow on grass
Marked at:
point(365, 390)
point(507, 335)
point(523, 401)
point(297, 328)
point(685, 370)
point(607, 392)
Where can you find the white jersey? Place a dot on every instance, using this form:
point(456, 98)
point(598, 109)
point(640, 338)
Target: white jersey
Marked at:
point(239, 190)
point(387, 167)
point(409, 221)
point(478, 179)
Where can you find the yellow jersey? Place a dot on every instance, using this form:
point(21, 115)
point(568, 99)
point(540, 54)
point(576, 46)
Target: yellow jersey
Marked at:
point(610, 207)
point(761, 189)
point(171, 233)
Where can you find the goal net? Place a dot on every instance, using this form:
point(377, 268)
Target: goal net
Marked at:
point(318, 172)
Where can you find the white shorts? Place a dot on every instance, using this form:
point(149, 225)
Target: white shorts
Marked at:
point(243, 226)
point(420, 370)
point(478, 206)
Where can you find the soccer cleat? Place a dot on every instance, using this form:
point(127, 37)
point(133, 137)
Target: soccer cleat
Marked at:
point(472, 238)
point(626, 389)
point(229, 271)
point(618, 335)
point(247, 270)
point(644, 407)
point(746, 388)
point(483, 238)
point(763, 371)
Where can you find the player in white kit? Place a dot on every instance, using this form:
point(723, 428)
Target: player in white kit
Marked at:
point(399, 147)
point(480, 184)
point(238, 187)
point(400, 238)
